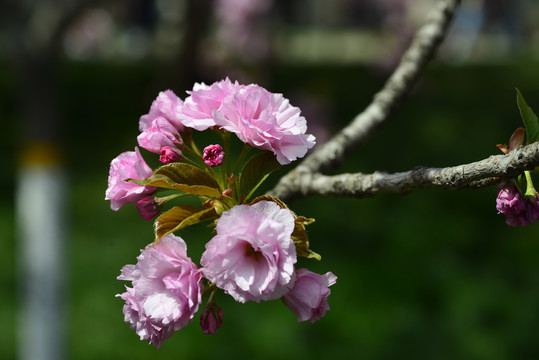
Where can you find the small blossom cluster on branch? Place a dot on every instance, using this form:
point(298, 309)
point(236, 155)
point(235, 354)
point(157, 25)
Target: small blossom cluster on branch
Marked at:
point(520, 207)
point(254, 252)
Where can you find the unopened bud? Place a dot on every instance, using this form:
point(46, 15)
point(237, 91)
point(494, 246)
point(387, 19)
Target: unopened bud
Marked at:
point(148, 207)
point(227, 193)
point(170, 154)
point(211, 319)
point(517, 208)
point(213, 155)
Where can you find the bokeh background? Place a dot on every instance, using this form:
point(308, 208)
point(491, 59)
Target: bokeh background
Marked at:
point(429, 275)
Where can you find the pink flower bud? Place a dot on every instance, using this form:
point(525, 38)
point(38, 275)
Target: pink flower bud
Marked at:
point(170, 154)
point(148, 207)
point(211, 319)
point(227, 193)
point(517, 208)
point(213, 155)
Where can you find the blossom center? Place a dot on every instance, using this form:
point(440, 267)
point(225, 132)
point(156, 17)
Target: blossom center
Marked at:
point(252, 253)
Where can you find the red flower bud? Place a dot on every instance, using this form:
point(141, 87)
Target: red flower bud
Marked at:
point(148, 207)
point(213, 155)
point(170, 154)
point(211, 319)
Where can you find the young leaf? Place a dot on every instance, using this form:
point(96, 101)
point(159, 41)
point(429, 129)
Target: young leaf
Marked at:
point(299, 236)
point(183, 177)
point(255, 171)
point(179, 217)
point(517, 139)
point(531, 122)
point(270, 198)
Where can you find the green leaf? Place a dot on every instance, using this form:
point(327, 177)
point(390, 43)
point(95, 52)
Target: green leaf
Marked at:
point(183, 177)
point(531, 122)
point(179, 217)
point(255, 171)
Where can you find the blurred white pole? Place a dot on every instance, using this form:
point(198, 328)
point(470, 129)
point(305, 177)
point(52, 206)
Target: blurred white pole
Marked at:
point(41, 227)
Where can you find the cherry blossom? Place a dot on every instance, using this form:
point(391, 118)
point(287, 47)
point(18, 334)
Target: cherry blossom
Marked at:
point(252, 256)
point(166, 293)
point(266, 121)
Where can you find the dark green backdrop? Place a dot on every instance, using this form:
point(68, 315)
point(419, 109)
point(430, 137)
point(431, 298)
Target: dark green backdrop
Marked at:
point(430, 275)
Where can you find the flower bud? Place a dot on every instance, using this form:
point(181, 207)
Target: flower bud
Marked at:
point(213, 155)
point(517, 208)
point(227, 193)
point(211, 319)
point(148, 207)
point(170, 154)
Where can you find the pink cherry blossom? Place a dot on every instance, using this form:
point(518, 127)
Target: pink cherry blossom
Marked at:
point(166, 293)
point(265, 121)
point(167, 105)
point(308, 297)
point(213, 155)
point(158, 133)
point(198, 108)
point(127, 165)
point(252, 256)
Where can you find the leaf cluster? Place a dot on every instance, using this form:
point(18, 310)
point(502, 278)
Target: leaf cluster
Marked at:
point(217, 193)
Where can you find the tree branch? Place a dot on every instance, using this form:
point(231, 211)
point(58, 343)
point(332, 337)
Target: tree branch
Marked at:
point(475, 175)
point(414, 60)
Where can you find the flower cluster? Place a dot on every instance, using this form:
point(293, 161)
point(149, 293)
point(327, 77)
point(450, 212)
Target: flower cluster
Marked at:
point(259, 118)
point(256, 244)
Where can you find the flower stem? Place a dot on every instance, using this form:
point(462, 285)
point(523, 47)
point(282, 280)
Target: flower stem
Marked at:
point(195, 149)
point(244, 151)
point(223, 178)
point(193, 162)
point(530, 190)
point(225, 136)
point(210, 288)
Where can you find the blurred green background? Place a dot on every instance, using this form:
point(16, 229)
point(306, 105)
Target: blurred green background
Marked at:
point(430, 275)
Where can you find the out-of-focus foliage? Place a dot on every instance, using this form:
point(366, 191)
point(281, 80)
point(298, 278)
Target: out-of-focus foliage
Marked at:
point(430, 275)
point(433, 274)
